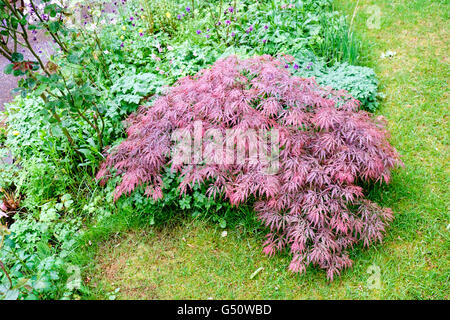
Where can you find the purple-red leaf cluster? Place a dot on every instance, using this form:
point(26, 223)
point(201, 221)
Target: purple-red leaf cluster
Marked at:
point(313, 204)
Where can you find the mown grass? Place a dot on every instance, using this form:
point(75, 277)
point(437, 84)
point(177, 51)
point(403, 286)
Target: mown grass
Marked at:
point(190, 259)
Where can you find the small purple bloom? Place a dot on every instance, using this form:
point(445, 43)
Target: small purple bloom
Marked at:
point(131, 18)
point(122, 45)
point(231, 9)
point(264, 41)
point(179, 17)
point(309, 65)
point(266, 27)
point(286, 66)
point(207, 36)
point(199, 31)
point(233, 34)
point(296, 66)
point(188, 9)
point(228, 22)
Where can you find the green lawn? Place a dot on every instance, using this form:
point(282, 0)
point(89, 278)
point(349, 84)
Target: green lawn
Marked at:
point(192, 260)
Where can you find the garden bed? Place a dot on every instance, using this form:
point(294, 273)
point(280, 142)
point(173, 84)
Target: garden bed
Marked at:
point(67, 237)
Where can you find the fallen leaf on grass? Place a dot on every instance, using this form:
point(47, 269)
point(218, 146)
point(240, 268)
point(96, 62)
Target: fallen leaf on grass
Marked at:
point(254, 274)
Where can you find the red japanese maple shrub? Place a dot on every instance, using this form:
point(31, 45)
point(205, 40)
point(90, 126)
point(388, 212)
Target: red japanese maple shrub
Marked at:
point(312, 203)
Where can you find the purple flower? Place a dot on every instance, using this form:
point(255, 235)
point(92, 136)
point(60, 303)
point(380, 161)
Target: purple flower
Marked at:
point(122, 45)
point(296, 66)
point(309, 65)
point(286, 66)
point(188, 9)
point(179, 17)
point(230, 9)
point(199, 31)
point(141, 34)
point(131, 18)
point(266, 27)
point(233, 34)
point(207, 36)
point(264, 41)
point(228, 22)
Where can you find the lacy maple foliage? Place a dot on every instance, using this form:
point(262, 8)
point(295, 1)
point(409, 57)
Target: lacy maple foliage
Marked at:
point(313, 204)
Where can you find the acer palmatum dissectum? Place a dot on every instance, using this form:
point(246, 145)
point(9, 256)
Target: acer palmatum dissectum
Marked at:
point(312, 204)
